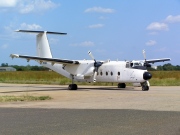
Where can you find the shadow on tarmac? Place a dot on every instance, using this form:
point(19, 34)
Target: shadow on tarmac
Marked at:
point(39, 88)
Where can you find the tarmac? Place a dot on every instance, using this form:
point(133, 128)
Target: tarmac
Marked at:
point(95, 97)
point(97, 110)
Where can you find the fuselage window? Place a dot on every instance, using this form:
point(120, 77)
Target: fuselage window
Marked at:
point(111, 73)
point(106, 73)
point(118, 73)
point(101, 73)
point(97, 73)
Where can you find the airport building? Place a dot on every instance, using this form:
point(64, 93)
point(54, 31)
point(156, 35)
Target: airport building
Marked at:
point(7, 69)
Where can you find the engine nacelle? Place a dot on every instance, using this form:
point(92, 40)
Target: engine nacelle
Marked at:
point(90, 72)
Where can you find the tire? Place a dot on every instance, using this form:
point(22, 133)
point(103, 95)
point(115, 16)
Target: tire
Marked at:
point(121, 85)
point(145, 88)
point(72, 87)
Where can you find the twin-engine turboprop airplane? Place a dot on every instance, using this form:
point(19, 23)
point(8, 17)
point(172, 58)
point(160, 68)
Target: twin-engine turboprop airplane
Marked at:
point(89, 70)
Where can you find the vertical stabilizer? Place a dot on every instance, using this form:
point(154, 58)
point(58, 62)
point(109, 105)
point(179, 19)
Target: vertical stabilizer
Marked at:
point(42, 46)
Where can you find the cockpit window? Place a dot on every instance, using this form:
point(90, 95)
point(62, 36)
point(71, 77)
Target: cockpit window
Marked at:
point(135, 64)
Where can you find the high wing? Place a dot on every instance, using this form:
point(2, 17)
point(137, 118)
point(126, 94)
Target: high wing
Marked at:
point(158, 60)
point(41, 59)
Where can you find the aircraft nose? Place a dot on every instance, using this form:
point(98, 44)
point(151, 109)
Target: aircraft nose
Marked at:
point(147, 76)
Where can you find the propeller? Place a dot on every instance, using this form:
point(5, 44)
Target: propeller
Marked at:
point(146, 64)
point(97, 64)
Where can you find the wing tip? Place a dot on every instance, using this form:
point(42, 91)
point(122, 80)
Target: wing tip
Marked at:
point(14, 56)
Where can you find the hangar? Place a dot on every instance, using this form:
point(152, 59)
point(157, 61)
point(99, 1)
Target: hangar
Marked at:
point(7, 69)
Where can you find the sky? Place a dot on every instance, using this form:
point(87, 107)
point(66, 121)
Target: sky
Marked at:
point(115, 30)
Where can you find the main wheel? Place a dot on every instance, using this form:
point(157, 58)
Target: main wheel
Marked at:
point(121, 85)
point(72, 87)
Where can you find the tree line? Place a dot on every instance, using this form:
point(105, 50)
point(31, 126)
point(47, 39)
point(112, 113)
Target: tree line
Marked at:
point(165, 67)
point(26, 68)
point(168, 67)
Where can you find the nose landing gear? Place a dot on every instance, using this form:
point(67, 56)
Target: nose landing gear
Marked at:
point(145, 86)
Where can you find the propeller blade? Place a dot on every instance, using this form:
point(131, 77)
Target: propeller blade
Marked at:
point(90, 54)
point(97, 64)
point(94, 78)
point(144, 54)
point(106, 61)
point(146, 64)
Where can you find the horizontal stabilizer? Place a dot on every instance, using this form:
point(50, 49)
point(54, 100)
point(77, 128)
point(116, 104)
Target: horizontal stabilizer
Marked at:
point(48, 32)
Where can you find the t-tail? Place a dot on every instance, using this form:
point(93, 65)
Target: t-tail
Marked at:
point(42, 44)
point(43, 51)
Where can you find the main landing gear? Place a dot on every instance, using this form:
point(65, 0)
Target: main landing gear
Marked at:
point(121, 85)
point(145, 86)
point(72, 86)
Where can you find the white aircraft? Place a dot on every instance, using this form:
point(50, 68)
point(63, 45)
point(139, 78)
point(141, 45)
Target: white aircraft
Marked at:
point(89, 70)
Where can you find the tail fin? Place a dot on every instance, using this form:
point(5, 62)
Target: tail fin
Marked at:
point(42, 44)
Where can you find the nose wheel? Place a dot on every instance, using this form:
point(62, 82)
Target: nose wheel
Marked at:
point(145, 86)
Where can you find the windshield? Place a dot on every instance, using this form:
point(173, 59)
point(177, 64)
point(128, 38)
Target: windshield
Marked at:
point(137, 64)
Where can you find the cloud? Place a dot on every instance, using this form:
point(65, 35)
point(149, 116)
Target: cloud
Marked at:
point(96, 26)
point(172, 19)
point(9, 31)
point(84, 44)
point(27, 6)
point(36, 6)
point(157, 26)
point(151, 43)
point(5, 46)
point(8, 3)
point(99, 10)
point(30, 26)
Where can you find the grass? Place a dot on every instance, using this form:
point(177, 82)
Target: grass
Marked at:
point(23, 98)
point(165, 78)
point(160, 78)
